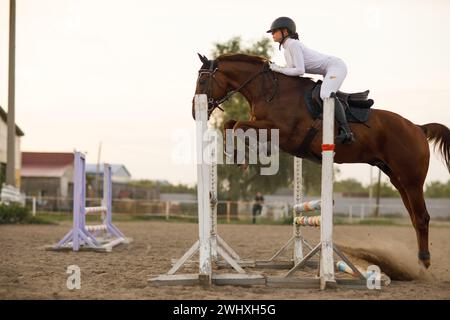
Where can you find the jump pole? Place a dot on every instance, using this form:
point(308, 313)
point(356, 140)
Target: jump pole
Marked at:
point(326, 225)
point(298, 198)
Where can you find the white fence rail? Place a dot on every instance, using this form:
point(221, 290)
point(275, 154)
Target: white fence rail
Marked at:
point(229, 210)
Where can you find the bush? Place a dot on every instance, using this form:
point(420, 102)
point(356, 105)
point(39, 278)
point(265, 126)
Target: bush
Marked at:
point(14, 213)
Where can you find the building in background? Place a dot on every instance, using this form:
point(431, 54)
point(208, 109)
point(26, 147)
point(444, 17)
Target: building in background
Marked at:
point(3, 149)
point(47, 174)
point(123, 188)
point(120, 173)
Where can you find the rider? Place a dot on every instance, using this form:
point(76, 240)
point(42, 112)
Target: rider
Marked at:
point(301, 59)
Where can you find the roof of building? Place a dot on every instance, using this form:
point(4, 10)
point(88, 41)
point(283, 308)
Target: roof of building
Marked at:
point(115, 168)
point(4, 116)
point(45, 164)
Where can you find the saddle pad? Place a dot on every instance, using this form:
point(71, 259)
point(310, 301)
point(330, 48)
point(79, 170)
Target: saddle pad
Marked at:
point(356, 115)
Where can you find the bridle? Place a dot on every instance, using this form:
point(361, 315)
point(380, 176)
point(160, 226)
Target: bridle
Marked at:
point(215, 103)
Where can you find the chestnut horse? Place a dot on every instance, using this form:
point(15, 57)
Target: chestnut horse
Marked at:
point(387, 140)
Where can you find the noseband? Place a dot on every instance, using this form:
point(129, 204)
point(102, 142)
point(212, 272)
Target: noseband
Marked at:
point(212, 104)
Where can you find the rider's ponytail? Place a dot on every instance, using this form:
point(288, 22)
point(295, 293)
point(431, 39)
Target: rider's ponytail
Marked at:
point(294, 36)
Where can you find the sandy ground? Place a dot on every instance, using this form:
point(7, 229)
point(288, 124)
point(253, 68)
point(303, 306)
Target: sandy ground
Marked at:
point(29, 272)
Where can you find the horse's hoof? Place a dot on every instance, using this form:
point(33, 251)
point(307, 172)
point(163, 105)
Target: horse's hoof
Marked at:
point(425, 263)
point(425, 259)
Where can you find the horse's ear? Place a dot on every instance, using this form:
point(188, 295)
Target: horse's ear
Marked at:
point(203, 58)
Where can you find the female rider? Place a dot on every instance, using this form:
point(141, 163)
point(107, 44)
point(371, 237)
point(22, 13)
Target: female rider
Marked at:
point(301, 59)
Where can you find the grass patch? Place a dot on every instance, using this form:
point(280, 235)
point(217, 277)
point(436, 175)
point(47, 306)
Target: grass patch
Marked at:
point(377, 222)
point(16, 214)
point(162, 218)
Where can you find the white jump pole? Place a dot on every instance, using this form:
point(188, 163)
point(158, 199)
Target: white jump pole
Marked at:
point(298, 198)
point(203, 174)
point(326, 226)
point(213, 201)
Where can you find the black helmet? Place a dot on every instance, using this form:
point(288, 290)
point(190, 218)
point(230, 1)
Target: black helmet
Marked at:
point(283, 22)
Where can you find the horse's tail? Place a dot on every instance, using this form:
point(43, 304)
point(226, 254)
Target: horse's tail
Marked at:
point(440, 136)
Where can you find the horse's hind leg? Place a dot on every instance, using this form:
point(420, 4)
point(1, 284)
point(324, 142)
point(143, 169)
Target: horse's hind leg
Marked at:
point(420, 219)
point(414, 201)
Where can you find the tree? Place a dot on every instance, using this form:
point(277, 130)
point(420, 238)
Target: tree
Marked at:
point(163, 186)
point(350, 186)
point(236, 183)
point(436, 189)
point(388, 191)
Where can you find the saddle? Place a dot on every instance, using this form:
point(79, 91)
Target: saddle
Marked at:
point(357, 109)
point(356, 105)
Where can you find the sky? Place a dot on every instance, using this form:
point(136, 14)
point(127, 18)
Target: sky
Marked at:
point(122, 72)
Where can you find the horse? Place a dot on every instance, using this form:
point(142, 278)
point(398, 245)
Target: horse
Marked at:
point(386, 140)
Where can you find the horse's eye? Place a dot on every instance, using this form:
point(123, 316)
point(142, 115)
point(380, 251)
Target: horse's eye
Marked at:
point(202, 82)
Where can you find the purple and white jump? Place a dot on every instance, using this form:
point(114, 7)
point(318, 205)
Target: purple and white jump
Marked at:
point(101, 237)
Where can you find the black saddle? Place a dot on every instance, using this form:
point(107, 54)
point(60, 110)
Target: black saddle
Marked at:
point(356, 105)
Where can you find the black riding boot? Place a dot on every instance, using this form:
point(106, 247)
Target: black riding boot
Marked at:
point(345, 135)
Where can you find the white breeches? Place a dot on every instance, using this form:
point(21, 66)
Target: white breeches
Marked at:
point(332, 81)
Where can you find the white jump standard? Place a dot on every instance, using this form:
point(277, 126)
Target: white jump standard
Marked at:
point(209, 245)
point(325, 246)
point(84, 236)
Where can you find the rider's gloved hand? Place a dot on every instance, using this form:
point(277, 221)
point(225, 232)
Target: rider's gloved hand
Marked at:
point(274, 67)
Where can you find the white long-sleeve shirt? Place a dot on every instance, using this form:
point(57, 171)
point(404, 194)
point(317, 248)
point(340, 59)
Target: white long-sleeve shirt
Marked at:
point(301, 59)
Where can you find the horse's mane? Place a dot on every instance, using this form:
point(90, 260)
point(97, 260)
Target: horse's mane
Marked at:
point(257, 60)
point(241, 57)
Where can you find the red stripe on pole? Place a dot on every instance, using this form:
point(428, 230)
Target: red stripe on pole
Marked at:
point(327, 147)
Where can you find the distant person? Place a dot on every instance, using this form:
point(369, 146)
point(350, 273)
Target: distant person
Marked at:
point(257, 206)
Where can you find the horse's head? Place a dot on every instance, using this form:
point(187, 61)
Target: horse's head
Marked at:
point(212, 83)
point(228, 74)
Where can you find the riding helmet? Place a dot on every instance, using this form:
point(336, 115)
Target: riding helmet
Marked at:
point(283, 22)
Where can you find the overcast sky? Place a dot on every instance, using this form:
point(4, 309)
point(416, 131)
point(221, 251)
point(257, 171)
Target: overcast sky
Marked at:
point(122, 72)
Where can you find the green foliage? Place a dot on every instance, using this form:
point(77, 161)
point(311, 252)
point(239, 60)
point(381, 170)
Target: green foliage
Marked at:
point(163, 186)
point(234, 45)
point(436, 189)
point(312, 175)
point(352, 187)
point(387, 191)
point(377, 222)
point(15, 213)
point(349, 185)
